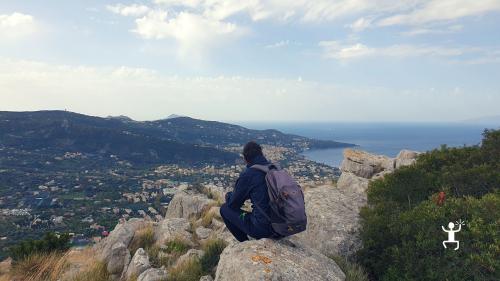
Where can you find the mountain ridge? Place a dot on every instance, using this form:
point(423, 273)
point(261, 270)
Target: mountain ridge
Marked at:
point(179, 139)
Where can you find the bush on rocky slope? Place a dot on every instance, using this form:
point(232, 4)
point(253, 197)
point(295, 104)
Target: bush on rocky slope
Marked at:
point(401, 226)
point(48, 244)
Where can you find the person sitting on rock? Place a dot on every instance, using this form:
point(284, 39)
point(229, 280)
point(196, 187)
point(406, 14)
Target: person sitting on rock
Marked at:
point(250, 185)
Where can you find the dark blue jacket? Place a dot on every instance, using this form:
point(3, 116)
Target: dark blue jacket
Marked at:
point(252, 185)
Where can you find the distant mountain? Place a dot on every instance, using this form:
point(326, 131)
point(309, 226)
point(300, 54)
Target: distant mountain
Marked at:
point(180, 140)
point(120, 117)
point(57, 132)
point(190, 130)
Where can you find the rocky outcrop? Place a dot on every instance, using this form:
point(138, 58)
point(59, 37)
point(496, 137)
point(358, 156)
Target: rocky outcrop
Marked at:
point(186, 204)
point(267, 259)
point(333, 212)
point(333, 226)
point(364, 164)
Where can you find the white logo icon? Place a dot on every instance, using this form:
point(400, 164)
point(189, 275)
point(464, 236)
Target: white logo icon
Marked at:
point(451, 233)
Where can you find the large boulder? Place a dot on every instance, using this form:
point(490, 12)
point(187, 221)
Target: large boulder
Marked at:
point(364, 164)
point(173, 228)
point(122, 233)
point(139, 263)
point(266, 259)
point(118, 261)
point(186, 204)
point(332, 220)
point(153, 274)
point(350, 182)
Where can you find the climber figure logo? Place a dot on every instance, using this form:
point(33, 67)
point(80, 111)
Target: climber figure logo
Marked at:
point(451, 233)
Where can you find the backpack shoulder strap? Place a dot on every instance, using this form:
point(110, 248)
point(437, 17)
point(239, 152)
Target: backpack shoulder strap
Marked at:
point(266, 168)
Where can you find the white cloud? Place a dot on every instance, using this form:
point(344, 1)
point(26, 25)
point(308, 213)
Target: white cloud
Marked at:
point(193, 32)
point(344, 52)
point(360, 24)
point(441, 10)
point(16, 26)
point(280, 44)
point(335, 50)
point(134, 10)
point(285, 10)
point(422, 31)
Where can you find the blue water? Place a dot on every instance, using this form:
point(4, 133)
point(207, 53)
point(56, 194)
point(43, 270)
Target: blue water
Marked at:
point(380, 138)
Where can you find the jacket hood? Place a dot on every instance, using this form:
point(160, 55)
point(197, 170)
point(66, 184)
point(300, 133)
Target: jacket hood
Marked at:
point(259, 159)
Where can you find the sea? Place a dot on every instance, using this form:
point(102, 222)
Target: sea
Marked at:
point(379, 138)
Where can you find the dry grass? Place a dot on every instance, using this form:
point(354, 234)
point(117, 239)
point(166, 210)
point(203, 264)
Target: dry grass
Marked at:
point(206, 218)
point(96, 271)
point(352, 271)
point(190, 270)
point(40, 267)
point(73, 265)
point(143, 238)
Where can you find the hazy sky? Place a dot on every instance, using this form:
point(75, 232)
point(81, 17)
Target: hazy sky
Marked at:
point(308, 60)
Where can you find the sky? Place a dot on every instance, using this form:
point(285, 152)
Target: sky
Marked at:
point(254, 60)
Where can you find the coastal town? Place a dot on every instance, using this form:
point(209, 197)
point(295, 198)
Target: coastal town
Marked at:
point(89, 201)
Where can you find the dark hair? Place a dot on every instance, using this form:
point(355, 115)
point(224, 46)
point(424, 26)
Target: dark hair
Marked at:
point(251, 150)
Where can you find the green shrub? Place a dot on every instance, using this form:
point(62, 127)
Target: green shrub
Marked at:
point(51, 242)
point(401, 226)
point(176, 246)
point(193, 269)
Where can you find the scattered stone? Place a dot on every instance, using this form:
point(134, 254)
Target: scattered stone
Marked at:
point(206, 278)
point(203, 232)
point(192, 253)
point(153, 274)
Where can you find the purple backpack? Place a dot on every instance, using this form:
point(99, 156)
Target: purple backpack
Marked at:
point(288, 212)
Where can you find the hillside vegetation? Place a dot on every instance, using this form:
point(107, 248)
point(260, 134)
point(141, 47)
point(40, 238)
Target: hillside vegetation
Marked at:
point(401, 226)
